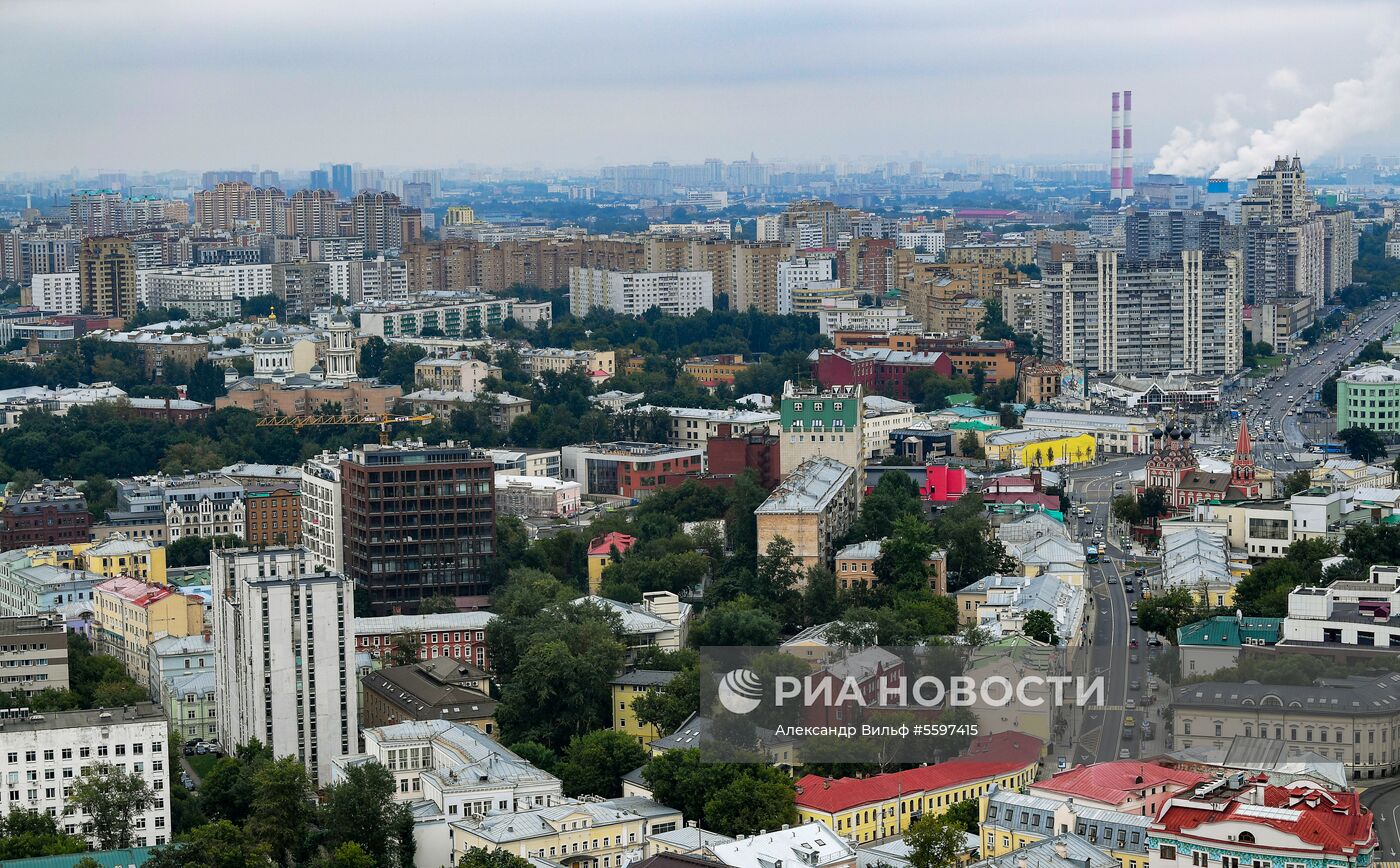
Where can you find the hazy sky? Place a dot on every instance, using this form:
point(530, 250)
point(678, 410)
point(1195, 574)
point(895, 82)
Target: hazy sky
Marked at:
point(200, 84)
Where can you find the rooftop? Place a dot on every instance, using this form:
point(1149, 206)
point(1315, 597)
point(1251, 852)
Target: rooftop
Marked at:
point(1116, 782)
point(809, 488)
point(141, 712)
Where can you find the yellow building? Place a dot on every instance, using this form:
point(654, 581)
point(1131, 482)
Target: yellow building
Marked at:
point(868, 809)
point(580, 834)
point(807, 300)
point(459, 215)
point(129, 614)
point(117, 555)
point(626, 688)
point(1028, 447)
point(601, 552)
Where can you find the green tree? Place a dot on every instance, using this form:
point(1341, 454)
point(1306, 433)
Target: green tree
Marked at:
point(405, 650)
point(1362, 443)
point(111, 797)
point(372, 354)
point(904, 555)
point(596, 761)
point(361, 810)
point(440, 604)
point(480, 857)
point(1296, 482)
point(347, 855)
point(220, 844)
point(1167, 612)
point(25, 833)
point(192, 456)
point(1125, 508)
point(735, 623)
point(668, 706)
point(193, 551)
point(964, 815)
point(746, 806)
point(820, 601)
point(935, 842)
point(713, 794)
point(206, 382)
point(1040, 626)
point(282, 807)
point(558, 691)
point(969, 446)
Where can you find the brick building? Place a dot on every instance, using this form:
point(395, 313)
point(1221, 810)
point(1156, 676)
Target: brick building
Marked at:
point(729, 455)
point(50, 513)
point(879, 372)
point(273, 514)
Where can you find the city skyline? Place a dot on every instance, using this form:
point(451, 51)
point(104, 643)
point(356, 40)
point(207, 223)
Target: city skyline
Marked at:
point(568, 88)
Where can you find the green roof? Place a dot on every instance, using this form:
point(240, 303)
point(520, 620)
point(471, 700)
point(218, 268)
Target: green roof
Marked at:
point(960, 399)
point(974, 425)
point(1228, 631)
point(106, 858)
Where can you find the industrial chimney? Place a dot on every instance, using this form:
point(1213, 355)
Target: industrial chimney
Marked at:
point(1115, 153)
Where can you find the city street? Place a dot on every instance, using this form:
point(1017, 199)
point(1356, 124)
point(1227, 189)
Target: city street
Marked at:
point(1291, 388)
point(1100, 736)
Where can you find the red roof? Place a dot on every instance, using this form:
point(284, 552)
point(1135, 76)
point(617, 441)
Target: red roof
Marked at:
point(1242, 445)
point(1116, 782)
point(988, 757)
point(1333, 821)
point(603, 545)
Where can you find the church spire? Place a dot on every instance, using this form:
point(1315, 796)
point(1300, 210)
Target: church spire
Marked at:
point(1242, 465)
point(1243, 446)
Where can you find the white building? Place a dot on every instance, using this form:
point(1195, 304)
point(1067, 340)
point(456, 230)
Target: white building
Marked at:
point(801, 272)
point(678, 293)
point(810, 845)
point(46, 753)
point(58, 292)
point(882, 417)
point(285, 660)
point(846, 315)
point(322, 525)
point(692, 427)
point(924, 241)
point(1120, 435)
point(537, 496)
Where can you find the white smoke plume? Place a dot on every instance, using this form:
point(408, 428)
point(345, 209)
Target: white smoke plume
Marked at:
point(1354, 106)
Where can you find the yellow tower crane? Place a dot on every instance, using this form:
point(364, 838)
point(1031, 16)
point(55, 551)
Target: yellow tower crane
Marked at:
point(383, 420)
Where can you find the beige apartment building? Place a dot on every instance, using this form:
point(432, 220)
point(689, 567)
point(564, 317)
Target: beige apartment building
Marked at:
point(458, 372)
point(812, 507)
point(107, 277)
point(592, 834)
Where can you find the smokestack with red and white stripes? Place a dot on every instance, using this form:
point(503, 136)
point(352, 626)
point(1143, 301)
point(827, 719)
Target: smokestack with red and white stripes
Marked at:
point(1125, 155)
point(1115, 154)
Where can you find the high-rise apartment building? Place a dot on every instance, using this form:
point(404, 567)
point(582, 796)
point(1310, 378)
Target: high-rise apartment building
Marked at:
point(799, 272)
point(96, 212)
point(419, 521)
point(378, 221)
point(107, 277)
point(236, 203)
point(1178, 313)
point(343, 180)
point(755, 282)
point(284, 655)
point(322, 529)
point(676, 293)
point(38, 248)
point(1153, 234)
point(311, 214)
point(1280, 194)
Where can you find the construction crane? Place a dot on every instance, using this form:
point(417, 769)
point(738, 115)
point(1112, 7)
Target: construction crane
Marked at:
point(383, 420)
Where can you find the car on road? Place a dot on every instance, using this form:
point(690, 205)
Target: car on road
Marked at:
point(1113, 580)
point(1133, 658)
point(1132, 643)
point(1128, 721)
point(1134, 685)
point(1130, 703)
point(1124, 754)
point(1062, 764)
point(1153, 684)
point(1117, 473)
point(1140, 571)
point(1154, 641)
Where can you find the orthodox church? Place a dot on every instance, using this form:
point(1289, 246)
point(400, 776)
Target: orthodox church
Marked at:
point(1173, 467)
